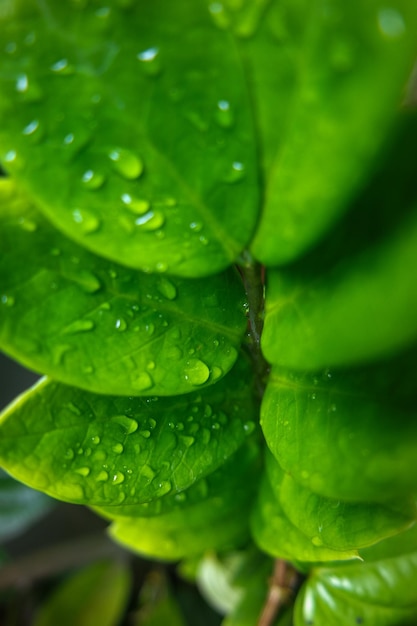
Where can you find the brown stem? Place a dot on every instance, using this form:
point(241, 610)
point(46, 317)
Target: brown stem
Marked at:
point(279, 594)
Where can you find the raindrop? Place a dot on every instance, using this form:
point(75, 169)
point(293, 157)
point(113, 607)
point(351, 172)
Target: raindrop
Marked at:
point(237, 172)
point(125, 163)
point(152, 423)
point(196, 226)
point(147, 472)
point(150, 61)
point(208, 411)
point(135, 205)
point(187, 441)
point(95, 440)
point(88, 281)
point(167, 289)
point(205, 436)
point(31, 128)
point(78, 326)
point(180, 497)
point(215, 426)
point(391, 23)
point(69, 454)
point(196, 372)
point(102, 476)
point(219, 15)
point(121, 324)
point(73, 408)
point(128, 424)
point(28, 225)
point(316, 541)
point(118, 478)
point(22, 83)
point(117, 448)
point(145, 433)
point(62, 67)
point(150, 221)
point(10, 156)
point(161, 267)
point(83, 471)
point(58, 352)
point(143, 382)
point(150, 365)
point(224, 114)
point(88, 369)
point(164, 487)
point(93, 180)
point(216, 372)
point(88, 222)
point(150, 328)
point(249, 427)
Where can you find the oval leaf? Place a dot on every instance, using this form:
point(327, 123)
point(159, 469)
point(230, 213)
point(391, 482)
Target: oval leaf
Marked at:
point(158, 139)
point(110, 450)
point(94, 324)
point(357, 439)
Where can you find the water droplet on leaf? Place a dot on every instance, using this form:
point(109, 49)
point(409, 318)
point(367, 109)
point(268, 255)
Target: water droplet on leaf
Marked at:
point(224, 114)
point(88, 222)
point(118, 478)
point(196, 372)
point(117, 448)
point(102, 476)
point(150, 221)
point(83, 471)
point(167, 289)
point(93, 180)
point(128, 424)
point(78, 326)
point(126, 163)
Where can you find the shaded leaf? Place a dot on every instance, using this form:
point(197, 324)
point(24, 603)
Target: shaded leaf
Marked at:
point(143, 163)
point(20, 507)
point(363, 307)
point(277, 536)
point(346, 434)
point(95, 595)
point(330, 61)
point(106, 328)
point(337, 524)
point(110, 450)
point(382, 593)
point(159, 605)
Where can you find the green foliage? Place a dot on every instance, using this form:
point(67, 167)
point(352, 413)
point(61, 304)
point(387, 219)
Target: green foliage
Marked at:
point(155, 155)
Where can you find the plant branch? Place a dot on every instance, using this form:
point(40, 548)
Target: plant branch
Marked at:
point(281, 590)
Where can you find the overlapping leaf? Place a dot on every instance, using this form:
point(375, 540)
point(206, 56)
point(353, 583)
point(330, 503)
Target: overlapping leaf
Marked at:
point(105, 328)
point(337, 524)
point(153, 163)
point(346, 435)
point(111, 450)
point(316, 70)
point(218, 522)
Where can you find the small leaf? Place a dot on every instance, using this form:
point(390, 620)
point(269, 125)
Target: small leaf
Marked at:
point(153, 164)
point(337, 524)
point(95, 595)
point(105, 328)
point(382, 593)
point(348, 435)
point(110, 450)
point(276, 535)
point(20, 507)
point(321, 138)
point(218, 522)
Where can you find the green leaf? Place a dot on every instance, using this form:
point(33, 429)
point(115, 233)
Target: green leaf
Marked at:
point(95, 595)
point(342, 315)
point(330, 61)
point(158, 604)
point(276, 535)
point(217, 522)
point(348, 435)
point(110, 450)
point(20, 507)
point(336, 524)
point(153, 163)
point(382, 593)
point(105, 328)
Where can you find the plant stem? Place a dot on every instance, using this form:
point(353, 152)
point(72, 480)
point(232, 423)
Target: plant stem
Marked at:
point(281, 589)
point(253, 281)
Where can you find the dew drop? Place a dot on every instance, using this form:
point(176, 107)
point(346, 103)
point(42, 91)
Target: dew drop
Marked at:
point(95, 440)
point(88, 222)
point(28, 225)
point(10, 156)
point(143, 382)
point(208, 411)
point(69, 454)
point(102, 477)
point(150, 365)
point(128, 424)
point(180, 497)
point(78, 326)
point(93, 180)
point(126, 163)
point(31, 128)
point(88, 369)
point(205, 436)
point(147, 472)
point(215, 426)
point(118, 478)
point(145, 433)
point(316, 541)
point(88, 281)
point(62, 67)
point(22, 83)
point(150, 221)
point(58, 352)
point(120, 324)
point(83, 471)
point(391, 23)
point(7, 300)
point(135, 205)
point(150, 329)
point(187, 441)
point(149, 60)
point(164, 487)
point(117, 448)
point(249, 427)
point(236, 173)
point(196, 372)
point(224, 114)
point(167, 289)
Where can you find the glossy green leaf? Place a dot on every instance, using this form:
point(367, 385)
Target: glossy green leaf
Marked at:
point(331, 61)
point(382, 593)
point(20, 507)
point(365, 306)
point(218, 522)
point(346, 435)
point(152, 164)
point(95, 595)
point(276, 535)
point(337, 524)
point(246, 457)
point(111, 450)
point(105, 328)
